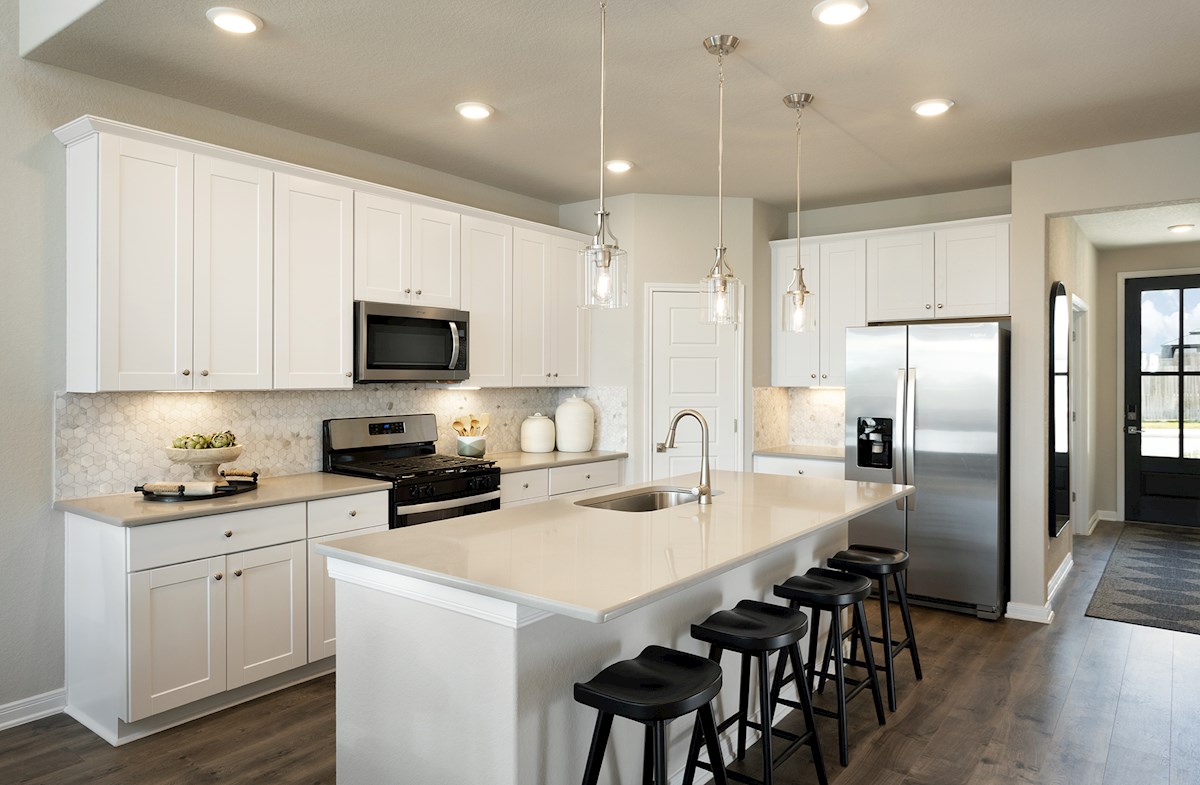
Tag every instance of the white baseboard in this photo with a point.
(1056, 580)
(1108, 515)
(1042, 614)
(32, 708)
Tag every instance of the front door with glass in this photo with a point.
(1161, 421)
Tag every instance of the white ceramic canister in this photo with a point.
(537, 434)
(576, 425)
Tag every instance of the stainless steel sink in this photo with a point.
(657, 497)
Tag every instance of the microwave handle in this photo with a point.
(454, 345)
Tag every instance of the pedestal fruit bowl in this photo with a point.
(205, 454)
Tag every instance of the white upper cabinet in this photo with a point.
(948, 272)
(487, 294)
(550, 330)
(313, 284)
(835, 271)
(233, 276)
(405, 253)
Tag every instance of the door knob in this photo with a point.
(1132, 430)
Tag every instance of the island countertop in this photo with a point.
(594, 564)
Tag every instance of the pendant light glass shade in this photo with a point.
(720, 291)
(796, 305)
(604, 278)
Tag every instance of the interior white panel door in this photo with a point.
(693, 366)
(570, 322)
(322, 597)
(844, 297)
(382, 245)
(487, 294)
(795, 357)
(972, 271)
(436, 257)
(233, 274)
(533, 283)
(267, 604)
(900, 274)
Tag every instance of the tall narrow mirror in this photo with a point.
(1060, 409)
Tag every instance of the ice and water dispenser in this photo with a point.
(875, 442)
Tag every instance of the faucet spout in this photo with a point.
(704, 489)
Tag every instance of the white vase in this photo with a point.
(575, 423)
(537, 434)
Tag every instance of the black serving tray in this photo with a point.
(236, 485)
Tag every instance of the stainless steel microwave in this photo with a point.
(409, 343)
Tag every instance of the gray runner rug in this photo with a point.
(1152, 578)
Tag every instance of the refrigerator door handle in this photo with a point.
(910, 436)
(898, 476)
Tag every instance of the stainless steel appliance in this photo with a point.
(927, 405)
(410, 343)
(401, 449)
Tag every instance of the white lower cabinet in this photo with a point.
(265, 616)
(800, 467)
(538, 485)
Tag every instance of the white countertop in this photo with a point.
(131, 509)
(805, 451)
(522, 461)
(595, 564)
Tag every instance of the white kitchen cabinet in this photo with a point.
(835, 271)
(538, 485)
(313, 284)
(800, 466)
(946, 272)
(487, 294)
(266, 612)
(550, 330)
(405, 253)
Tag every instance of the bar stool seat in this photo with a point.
(756, 630)
(877, 563)
(831, 591)
(653, 688)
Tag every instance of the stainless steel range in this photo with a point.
(401, 449)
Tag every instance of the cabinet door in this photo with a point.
(972, 271)
(532, 289)
(844, 297)
(176, 635)
(795, 357)
(900, 275)
(322, 598)
(266, 612)
(487, 293)
(313, 285)
(233, 273)
(145, 260)
(569, 322)
(382, 244)
(436, 257)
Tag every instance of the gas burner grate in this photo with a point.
(423, 464)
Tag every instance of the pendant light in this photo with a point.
(720, 291)
(795, 299)
(604, 276)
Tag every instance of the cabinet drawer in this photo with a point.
(580, 477)
(347, 513)
(520, 486)
(157, 544)
(802, 467)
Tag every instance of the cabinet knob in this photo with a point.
(353, 513)
(204, 372)
(547, 376)
(229, 532)
(927, 306)
(814, 376)
(418, 291)
(408, 291)
(187, 372)
(555, 376)
(349, 374)
(824, 376)
(237, 573)
(524, 485)
(218, 577)
(939, 305)
(799, 471)
(587, 476)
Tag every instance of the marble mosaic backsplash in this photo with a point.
(817, 416)
(110, 442)
(771, 417)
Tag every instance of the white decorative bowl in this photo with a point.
(205, 463)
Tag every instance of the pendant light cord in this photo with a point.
(603, 58)
(799, 114)
(720, 150)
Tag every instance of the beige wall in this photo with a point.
(953, 206)
(1109, 321)
(35, 99)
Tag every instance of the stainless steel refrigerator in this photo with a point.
(927, 405)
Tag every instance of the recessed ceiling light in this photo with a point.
(618, 166)
(234, 20)
(839, 12)
(1181, 228)
(933, 107)
(474, 110)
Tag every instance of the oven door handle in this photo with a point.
(454, 345)
(413, 509)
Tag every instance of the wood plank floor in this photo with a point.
(1083, 701)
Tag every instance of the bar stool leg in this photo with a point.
(591, 773)
(839, 666)
(860, 619)
(689, 771)
(743, 700)
(885, 620)
(902, 595)
(709, 722)
(812, 647)
(764, 718)
(648, 755)
(660, 753)
(810, 719)
(836, 615)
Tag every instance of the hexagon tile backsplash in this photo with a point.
(110, 442)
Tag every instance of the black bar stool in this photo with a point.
(653, 688)
(829, 590)
(756, 630)
(876, 563)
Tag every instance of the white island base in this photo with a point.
(459, 642)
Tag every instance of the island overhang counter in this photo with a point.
(459, 641)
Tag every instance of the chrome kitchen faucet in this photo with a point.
(704, 489)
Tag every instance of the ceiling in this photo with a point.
(1031, 78)
(1140, 226)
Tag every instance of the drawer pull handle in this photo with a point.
(218, 577)
(237, 573)
(353, 513)
(229, 532)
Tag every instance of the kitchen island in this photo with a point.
(459, 641)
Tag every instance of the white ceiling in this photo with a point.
(1031, 78)
(1141, 226)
